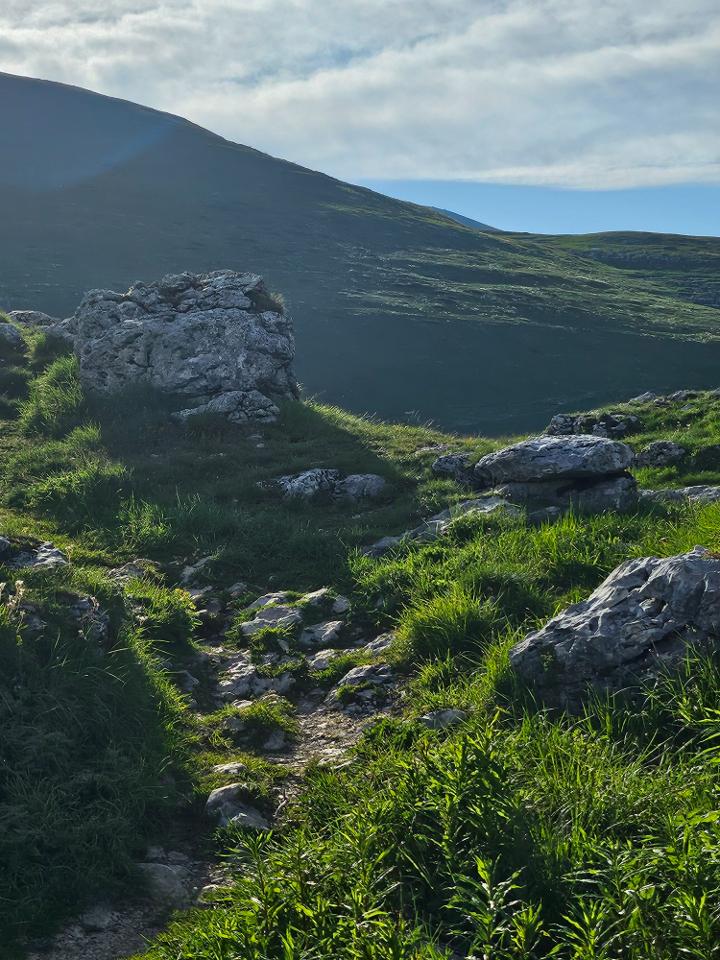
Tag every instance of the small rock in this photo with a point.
(232, 769)
(237, 590)
(165, 883)
(321, 634)
(98, 918)
(380, 644)
(322, 659)
(186, 681)
(440, 719)
(371, 673)
(455, 465)
(190, 572)
(281, 618)
(660, 453)
(10, 336)
(359, 486)
(275, 742)
(269, 599)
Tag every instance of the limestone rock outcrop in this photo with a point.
(639, 623)
(218, 338)
(613, 425)
(585, 472)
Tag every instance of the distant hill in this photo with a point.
(399, 309)
(466, 221)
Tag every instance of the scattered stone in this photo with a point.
(133, 570)
(186, 681)
(233, 769)
(327, 482)
(554, 458)
(322, 659)
(613, 425)
(243, 679)
(190, 572)
(701, 494)
(437, 525)
(380, 644)
(321, 634)
(165, 883)
(360, 486)
(280, 618)
(276, 742)
(455, 465)
(20, 553)
(237, 590)
(660, 453)
(641, 621)
(226, 805)
(440, 719)
(98, 918)
(217, 338)
(646, 397)
(11, 337)
(369, 673)
(269, 599)
(681, 396)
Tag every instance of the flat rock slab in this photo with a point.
(638, 624)
(554, 458)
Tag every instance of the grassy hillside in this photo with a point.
(515, 835)
(399, 309)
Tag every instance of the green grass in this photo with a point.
(516, 835)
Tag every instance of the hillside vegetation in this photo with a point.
(400, 310)
(516, 834)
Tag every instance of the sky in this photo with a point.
(528, 114)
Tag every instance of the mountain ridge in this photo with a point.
(399, 311)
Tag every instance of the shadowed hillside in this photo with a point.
(399, 310)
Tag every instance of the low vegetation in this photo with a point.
(516, 835)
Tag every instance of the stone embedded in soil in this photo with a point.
(323, 658)
(440, 719)
(642, 621)
(281, 618)
(321, 634)
(380, 644)
(165, 883)
(227, 805)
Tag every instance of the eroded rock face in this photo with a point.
(640, 622)
(217, 338)
(554, 458)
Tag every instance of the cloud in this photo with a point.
(528, 91)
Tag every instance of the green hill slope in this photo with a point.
(399, 310)
(515, 834)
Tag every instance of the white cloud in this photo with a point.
(567, 92)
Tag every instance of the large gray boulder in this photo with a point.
(639, 623)
(554, 458)
(216, 338)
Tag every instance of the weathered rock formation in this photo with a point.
(660, 453)
(216, 338)
(328, 482)
(613, 425)
(584, 472)
(700, 494)
(639, 623)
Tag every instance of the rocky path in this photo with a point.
(329, 718)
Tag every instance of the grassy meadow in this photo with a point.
(517, 834)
